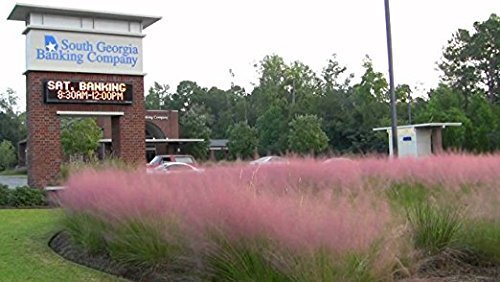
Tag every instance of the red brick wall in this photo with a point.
(44, 144)
(170, 126)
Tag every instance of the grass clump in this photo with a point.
(322, 265)
(144, 243)
(482, 237)
(407, 194)
(86, 231)
(243, 260)
(434, 228)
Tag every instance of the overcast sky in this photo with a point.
(201, 40)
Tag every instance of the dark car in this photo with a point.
(162, 159)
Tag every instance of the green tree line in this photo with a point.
(293, 109)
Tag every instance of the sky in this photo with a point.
(201, 40)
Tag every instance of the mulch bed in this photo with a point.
(454, 266)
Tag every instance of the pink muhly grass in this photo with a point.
(238, 201)
(447, 170)
(302, 205)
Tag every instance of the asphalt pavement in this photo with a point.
(14, 181)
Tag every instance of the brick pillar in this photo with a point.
(44, 143)
(128, 138)
(437, 140)
(44, 137)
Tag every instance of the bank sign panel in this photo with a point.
(83, 52)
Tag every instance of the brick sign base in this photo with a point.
(44, 155)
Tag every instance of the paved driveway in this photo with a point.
(14, 180)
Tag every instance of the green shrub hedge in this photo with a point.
(4, 195)
(23, 196)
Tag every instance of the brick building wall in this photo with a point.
(44, 142)
(169, 126)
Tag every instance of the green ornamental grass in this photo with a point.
(434, 228)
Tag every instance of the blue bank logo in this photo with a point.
(87, 52)
(51, 43)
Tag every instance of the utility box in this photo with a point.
(418, 140)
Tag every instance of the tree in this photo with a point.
(80, 137)
(157, 97)
(188, 94)
(332, 73)
(445, 106)
(220, 104)
(194, 124)
(12, 123)
(364, 107)
(242, 141)
(335, 105)
(272, 129)
(483, 127)
(271, 90)
(471, 62)
(7, 155)
(306, 135)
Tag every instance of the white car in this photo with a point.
(268, 160)
(174, 167)
(337, 160)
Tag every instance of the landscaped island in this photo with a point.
(302, 220)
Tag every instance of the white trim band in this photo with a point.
(88, 113)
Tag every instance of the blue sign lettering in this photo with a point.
(86, 52)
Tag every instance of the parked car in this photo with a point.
(337, 160)
(161, 159)
(173, 167)
(268, 160)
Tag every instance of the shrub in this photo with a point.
(4, 195)
(80, 136)
(27, 197)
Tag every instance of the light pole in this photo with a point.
(394, 120)
(409, 108)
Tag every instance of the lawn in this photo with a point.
(24, 251)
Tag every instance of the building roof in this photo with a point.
(166, 140)
(422, 125)
(21, 12)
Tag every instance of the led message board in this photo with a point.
(64, 91)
